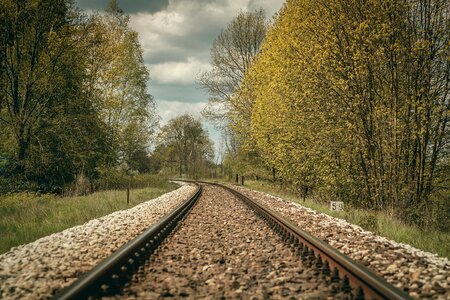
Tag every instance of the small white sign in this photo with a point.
(336, 205)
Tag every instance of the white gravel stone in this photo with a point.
(378, 253)
(36, 270)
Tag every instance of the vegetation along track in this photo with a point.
(224, 248)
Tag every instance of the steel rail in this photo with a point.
(108, 277)
(326, 259)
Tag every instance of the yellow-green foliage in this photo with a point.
(349, 98)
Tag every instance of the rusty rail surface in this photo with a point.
(326, 260)
(108, 277)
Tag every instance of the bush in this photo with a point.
(368, 222)
(81, 187)
(366, 219)
(116, 180)
(436, 211)
(13, 185)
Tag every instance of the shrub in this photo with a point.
(115, 180)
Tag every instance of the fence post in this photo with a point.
(128, 191)
(237, 178)
(242, 179)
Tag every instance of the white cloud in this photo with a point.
(177, 72)
(170, 109)
(188, 27)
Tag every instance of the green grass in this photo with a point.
(25, 217)
(382, 223)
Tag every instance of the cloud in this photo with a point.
(170, 109)
(187, 28)
(177, 72)
(176, 92)
(176, 33)
(128, 6)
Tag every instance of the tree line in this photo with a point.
(348, 100)
(73, 95)
(183, 147)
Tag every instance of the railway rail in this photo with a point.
(112, 274)
(109, 277)
(325, 258)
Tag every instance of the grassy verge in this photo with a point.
(382, 223)
(25, 217)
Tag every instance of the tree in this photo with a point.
(190, 143)
(50, 127)
(350, 99)
(231, 54)
(164, 158)
(34, 47)
(119, 84)
(72, 93)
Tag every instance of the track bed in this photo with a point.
(223, 249)
(220, 244)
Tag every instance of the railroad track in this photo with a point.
(112, 274)
(338, 276)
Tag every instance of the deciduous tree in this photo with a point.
(119, 83)
(351, 98)
(190, 142)
(231, 54)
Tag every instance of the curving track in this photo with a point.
(224, 248)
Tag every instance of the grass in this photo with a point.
(25, 217)
(381, 223)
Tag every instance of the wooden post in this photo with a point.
(237, 178)
(128, 191)
(242, 179)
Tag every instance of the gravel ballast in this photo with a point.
(421, 274)
(223, 250)
(36, 270)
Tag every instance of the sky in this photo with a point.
(176, 37)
